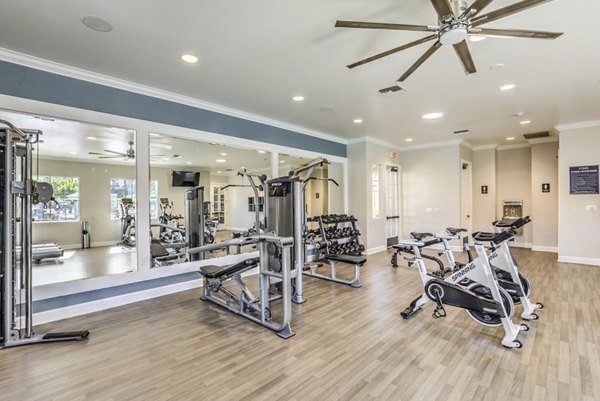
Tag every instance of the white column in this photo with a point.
(142, 206)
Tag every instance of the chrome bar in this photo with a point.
(26, 234)
(7, 233)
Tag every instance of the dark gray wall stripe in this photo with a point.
(20, 81)
(89, 296)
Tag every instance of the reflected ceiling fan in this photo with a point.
(129, 154)
(456, 21)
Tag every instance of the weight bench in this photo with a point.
(333, 259)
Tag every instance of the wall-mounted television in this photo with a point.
(185, 179)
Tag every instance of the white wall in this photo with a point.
(431, 189)
(544, 207)
(94, 202)
(513, 179)
(358, 186)
(484, 173)
(578, 229)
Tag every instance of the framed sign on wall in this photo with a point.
(583, 180)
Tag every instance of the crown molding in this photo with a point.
(579, 125)
(100, 79)
(515, 146)
(467, 144)
(375, 141)
(486, 147)
(547, 139)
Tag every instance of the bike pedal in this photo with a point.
(438, 312)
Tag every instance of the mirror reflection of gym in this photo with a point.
(229, 201)
(91, 169)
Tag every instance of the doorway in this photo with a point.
(466, 197)
(392, 205)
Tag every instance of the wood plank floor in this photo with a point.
(350, 344)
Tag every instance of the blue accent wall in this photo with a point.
(20, 81)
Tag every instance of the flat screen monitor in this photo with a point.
(185, 179)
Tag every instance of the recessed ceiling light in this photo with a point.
(221, 161)
(92, 138)
(519, 114)
(96, 24)
(525, 122)
(510, 138)
(261, 151)
(408, 139)
(223, 154)
(219, 172)
(298, 98)
(476, 38)
(189, 58)
(165, 159)
(73, 153)
(432, 116)
(153, 134)
(242, 167)
(357, 120)
(497, 66)
(507, 87)
(168, 147)
(188, 163)
(281, 161)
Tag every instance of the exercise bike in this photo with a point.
(483, 299)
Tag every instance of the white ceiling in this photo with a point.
(255, 54)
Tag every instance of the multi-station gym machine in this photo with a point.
(285, 206)
(16, 261)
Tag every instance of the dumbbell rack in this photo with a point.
(338, 235)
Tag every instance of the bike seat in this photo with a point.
(455, 231)
(496, 238)
(420, 236)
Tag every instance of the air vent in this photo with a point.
(462, 131)
(392, 90)
(536, 135)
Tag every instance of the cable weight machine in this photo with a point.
(16, 285)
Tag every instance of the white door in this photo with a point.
(466, 191)
(392, 205)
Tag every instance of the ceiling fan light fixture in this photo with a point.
(453, 33)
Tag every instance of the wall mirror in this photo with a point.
(189, 178)
(324, 191)
(88, 228)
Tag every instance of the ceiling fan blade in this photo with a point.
(421, 60)
(110, 157)
(158, 156)
(383, 25)
(506, 11)
(442, 8)
(116, 153)
(462, 50)
(96, 153)
(476, 7)
(518, 33)
(392, 51)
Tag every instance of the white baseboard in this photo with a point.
(578, 260)
(520, 244)
(537, 248)
(377, 249)
(108, 303)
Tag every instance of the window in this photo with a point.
(125, 188)
(64, 206)
(375, 190)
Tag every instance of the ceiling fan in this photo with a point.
(129, 154)
(456, 22)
